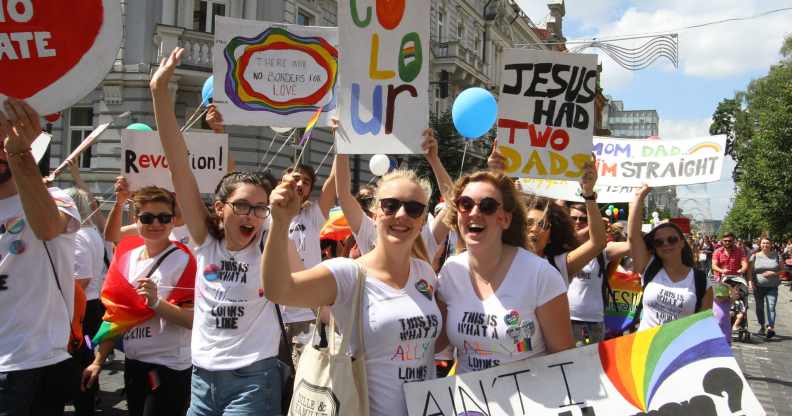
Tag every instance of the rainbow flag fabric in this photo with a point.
(638, 364)
(125, 309)
(623, 298)
(336, 227)
(311, 124)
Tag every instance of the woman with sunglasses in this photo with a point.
(157, 366)
(503, 303)
(401, 320)
(236, 332)
(666, 261)
(362, 225)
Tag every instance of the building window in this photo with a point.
(440, 25)
(80, 126)
(460, 30)
(304, 18)
(205, 12)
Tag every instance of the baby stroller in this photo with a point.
(738, 292)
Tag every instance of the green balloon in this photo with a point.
(139, 127)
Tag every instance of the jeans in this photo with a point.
(586, 333)
(39, 391)
(247, 391)
(766, 297)
(154, 389)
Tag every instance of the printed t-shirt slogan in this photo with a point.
(546, 113)
(384, 76)
(45, 60)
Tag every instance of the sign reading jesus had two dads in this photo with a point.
(682, 368)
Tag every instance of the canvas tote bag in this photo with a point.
(328, 381)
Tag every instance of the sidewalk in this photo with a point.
(767, 364)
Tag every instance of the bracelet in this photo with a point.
(156, 304)
(592, 197)
(18, 154)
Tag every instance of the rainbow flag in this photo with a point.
(310, 126)
(625, 295)
(336, 227)
(125, 309)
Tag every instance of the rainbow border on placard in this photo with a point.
(243, 96)
(638, 364)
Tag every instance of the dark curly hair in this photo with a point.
(515, 235)
(562, 229)
(225, 188)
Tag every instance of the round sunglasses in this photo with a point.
(486, 206)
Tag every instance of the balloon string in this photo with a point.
(266, 153)
(190, 118)
(321, 164)
(195, 120)
(464, 153)
(279, 150)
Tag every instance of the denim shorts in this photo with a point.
(251, 390)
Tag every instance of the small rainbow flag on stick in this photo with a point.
(125, 309)
(310, 126)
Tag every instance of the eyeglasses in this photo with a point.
(148, 218)
(582, 219)
(365, 201)
(245, 208)
(543, 224)
(659, 242)
(390, 206)
(486, 206)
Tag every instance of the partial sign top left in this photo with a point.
(53, 53)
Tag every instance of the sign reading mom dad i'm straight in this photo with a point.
(384, 75)
(546, 113)
(54, 52)
(683, 368)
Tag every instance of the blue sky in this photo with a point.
(715, 62)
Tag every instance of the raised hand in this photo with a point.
(215, 119)
(496, 161)
(161, 78)
(589, 178)
(429, 144)
(641, 192)
(25, 125)
(121, 190)
(284, 201)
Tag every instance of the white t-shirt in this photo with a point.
(400, 328)
(502, 328)
(36, 317)
(158, 341)
(665, 300)
(585, 293)
(366, 236)
(182, 235)
(234, 324)
(89, 260)
(304, 232)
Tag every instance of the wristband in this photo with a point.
(592, 197)
(18, 154)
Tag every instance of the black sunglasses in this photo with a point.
(390, 206)
(486, 206)
(245, 208)
(582, 219)
(148, 218)
(659, 242)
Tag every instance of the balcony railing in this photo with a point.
(197, 45)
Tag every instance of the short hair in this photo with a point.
(728, 234)
(149, 194)
(304, 170)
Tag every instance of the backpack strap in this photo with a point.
(551, 260)
(701, 286)
(603, 272)
(649, 274)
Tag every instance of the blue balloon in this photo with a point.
(474, 112)
(208, 91)
(139, 127)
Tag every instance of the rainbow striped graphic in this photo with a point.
(241, 93)
(638, 364)
(523, 346)
(625, 296)
(336, 227)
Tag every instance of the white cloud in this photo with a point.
(684, 129)
(714, 51)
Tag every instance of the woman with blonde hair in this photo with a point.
(503, 303)
(398, 295)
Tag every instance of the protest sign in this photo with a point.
(46, 60)
(144, 161)
(273, 74)
(682, 368)
(40, 145)
(570, 190)
(632, 162)
(546, 113)
(383, 100)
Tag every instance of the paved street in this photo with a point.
(767, 365)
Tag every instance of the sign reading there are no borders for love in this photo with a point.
(53, 53)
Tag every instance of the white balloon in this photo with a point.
(379, 164)
(608, 212)
(281, 130)
(655, 215)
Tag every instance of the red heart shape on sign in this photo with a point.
(69, 29)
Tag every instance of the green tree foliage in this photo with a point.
(761, 126)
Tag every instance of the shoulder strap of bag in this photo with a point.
(649, 274)
(701, 286)
(73, 343)
(159, 261)
(356, 318)
(285, 344)
(551, 260)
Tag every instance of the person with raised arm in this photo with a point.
(399, 287)
(236, 333)
(37, 289)
(673, 288)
